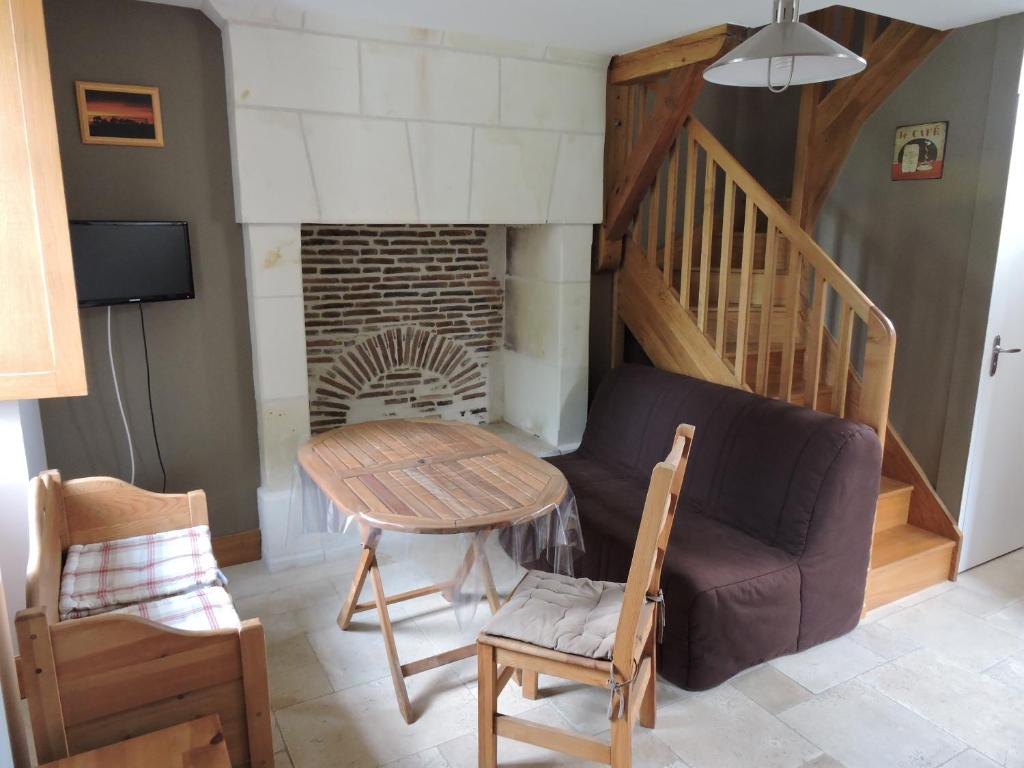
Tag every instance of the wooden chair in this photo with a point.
(630, 673)
(94, 681)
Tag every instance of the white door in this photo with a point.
(992, 516)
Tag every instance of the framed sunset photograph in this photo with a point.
(128, 115)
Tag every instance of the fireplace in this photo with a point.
(349, 123)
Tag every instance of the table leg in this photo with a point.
(476, 556)
(370, 537)
(465, 568)
(479, 540)
(397, 676)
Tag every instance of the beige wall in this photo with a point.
(199, 350)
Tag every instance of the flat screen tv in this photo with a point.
(120, 262)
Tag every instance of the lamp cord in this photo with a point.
(149, 391)
(117, 391)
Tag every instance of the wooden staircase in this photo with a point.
(716, 279)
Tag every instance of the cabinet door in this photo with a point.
(40, 340)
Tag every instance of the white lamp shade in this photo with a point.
(814, 58)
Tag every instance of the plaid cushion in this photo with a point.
(204, 609)
(111, 574)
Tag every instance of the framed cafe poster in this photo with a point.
(919, 151)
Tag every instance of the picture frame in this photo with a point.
(919, 151)
(123, 115)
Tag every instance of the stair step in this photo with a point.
(758, 285)
(906, 559)
(778, 331)
(893, 504)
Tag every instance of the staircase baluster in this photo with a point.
(844, 342)
(796, 266)
(671, 192)
(746, 273)
(725, 262)
(707, 235)
(638, 118)
(815, 334)
(653, 214)
(767, 311)
(689, 203)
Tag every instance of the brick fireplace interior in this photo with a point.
(402, 320)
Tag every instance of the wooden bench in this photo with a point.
(97, 680)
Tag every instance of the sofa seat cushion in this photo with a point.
(576, 616)
(201, 610)
(111, 574)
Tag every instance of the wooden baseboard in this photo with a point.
(236, 548)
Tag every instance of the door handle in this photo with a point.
(998, 350)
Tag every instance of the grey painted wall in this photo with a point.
(924, 251)
(199, 350)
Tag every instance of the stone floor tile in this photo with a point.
(768, 687)
(965, 639)
(586, 707)
(649, 751)
(1009, 672)
(284, 599)
(282, 760)
(862, 728)
(362, 726)
(356, 656)
(462, 751)
(292, 679)
(969, 759)
(276, 732)
(978, 710)
(722, 728)
(1009, 619)
(884, 641)
(823, 761)
(428, 758)
(819, 668)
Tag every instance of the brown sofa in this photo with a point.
(769, 553)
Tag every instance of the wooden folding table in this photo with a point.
(427, 477)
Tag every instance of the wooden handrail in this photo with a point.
(786, 295)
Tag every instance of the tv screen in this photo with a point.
(117, 262)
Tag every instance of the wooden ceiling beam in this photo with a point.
(656, 60)
(661, 129)
(830, 120)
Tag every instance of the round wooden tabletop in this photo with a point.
(430, 476)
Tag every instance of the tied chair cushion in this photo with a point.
(108, 575)
(562, 613)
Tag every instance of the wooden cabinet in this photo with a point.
(40, 340)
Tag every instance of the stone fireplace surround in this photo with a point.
(345, 122)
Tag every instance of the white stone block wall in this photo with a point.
(373, 124)
(547, 317)
(345, 122)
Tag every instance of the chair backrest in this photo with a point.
(651, 542)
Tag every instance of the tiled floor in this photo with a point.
(934, 680)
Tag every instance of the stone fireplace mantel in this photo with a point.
(342, 122)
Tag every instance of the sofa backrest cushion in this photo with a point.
(757, 464)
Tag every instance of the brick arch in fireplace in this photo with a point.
(399, 372)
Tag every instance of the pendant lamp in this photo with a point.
(784, 53)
